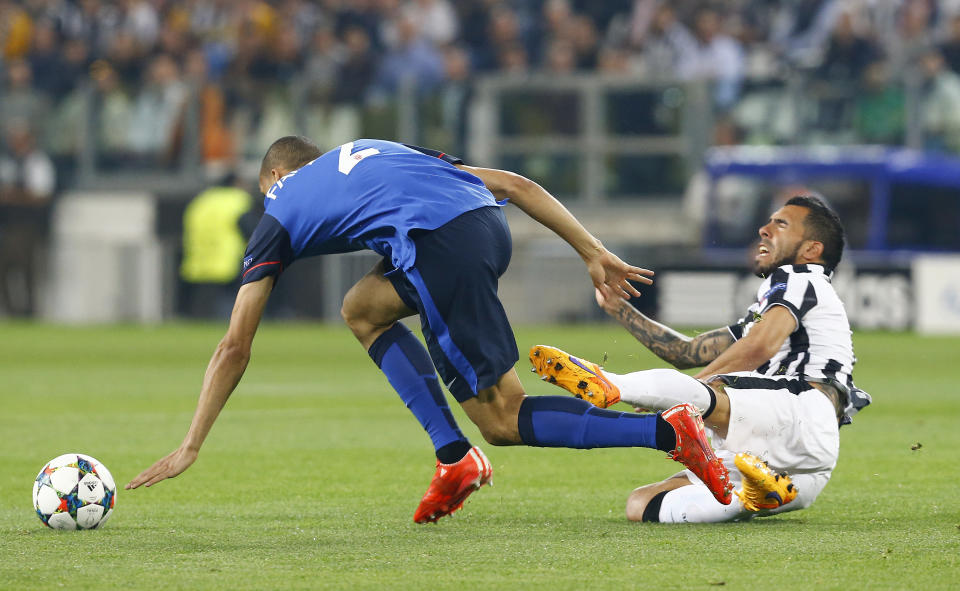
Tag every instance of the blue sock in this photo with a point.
(408, 368)
(559, 421)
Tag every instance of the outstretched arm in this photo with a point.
(223, 374)
(604, 267)
(679, 350)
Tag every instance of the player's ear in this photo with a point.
(812, 250)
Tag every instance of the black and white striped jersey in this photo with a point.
(820, 349)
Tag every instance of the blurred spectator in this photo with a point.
(453, 98)
(513, 59)
(436, 19)
(156, 111)
(287, 57)
(216, 141)
(413, 61)
(800, 29)
(300, 18)
(848, 53)
(175, 38)
(76, 61)
(614, 61)
(880, 107)
(356, 72)
(337, 78)
(21, 101)
(45, 61)
(561, 58)
(911, 38)
(555, 25)
(94, 24)
(502, 34)
(216, 226)
(141, 21)
(717, 57)
(939, 114)
(475, 18)
(27, 181)
(324, 56)
(111, 110)
(360, 14)
(16, 28)
(126, 58)
(601, 13)
(583, 37)
(26, 172)
(666, 44)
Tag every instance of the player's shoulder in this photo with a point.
(795, 283)
(800, 274)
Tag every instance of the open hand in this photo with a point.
(166, 467)
(606, 269)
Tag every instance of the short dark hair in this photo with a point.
(289, 153)
(823, 225)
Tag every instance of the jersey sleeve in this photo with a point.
(269, 251)
(793, 291)
(737, 330)
(441, 155)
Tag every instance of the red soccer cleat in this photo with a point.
(694, 451)
(452, 484)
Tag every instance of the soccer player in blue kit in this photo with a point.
(445, 243)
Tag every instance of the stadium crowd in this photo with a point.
(146, 58)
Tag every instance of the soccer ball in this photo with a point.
(74, 491)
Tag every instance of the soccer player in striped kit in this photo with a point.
(775, 386)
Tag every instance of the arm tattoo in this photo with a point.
(679, 350)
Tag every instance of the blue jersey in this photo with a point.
(365, 194)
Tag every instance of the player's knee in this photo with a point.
(354, 318)
(636, 503)
(644, 503)
(639, 500)
(499, 434)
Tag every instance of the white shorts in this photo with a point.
(793, 427)
(787, 423)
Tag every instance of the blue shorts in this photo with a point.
(453, 285)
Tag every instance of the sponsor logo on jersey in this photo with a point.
(774, 289)
(247, 261)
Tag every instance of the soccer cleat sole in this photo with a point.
(762, 488)
(581, 378)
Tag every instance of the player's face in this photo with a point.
(780, 240)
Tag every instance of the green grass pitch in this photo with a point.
(310, 477)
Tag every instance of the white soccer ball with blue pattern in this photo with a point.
(74, 491)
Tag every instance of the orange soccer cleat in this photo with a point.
(452, 484)
(694, 451)
(762, 487)
(584, 379)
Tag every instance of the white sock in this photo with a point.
(695, 504)
(659, 389)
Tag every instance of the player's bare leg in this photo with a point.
(719, 418)
(495, 410)
(640, 498)
(372, 306)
